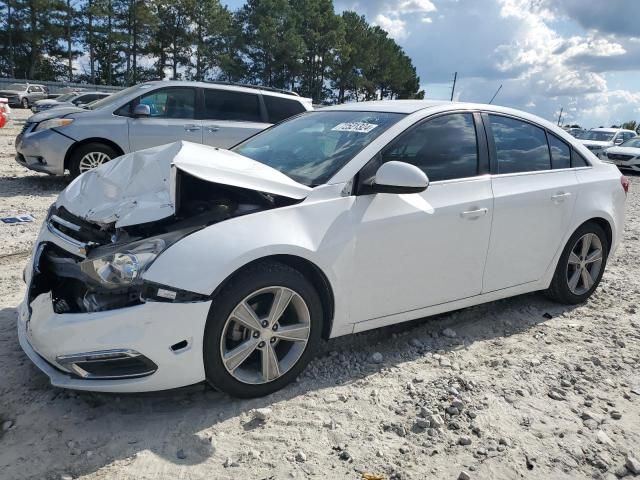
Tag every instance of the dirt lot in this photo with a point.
(524, 388)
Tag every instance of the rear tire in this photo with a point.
(581, 265)
(90, 156)
(272, 360)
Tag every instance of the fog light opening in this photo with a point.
(108, 364)
(178, 347)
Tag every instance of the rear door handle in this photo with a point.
(191, 128)
(560, 197)
(474, 213)
(212, 128)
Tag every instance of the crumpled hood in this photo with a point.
(62, 111)
(140, 187)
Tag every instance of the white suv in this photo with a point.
(599, 139)
(148, 115)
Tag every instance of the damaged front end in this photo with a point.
(91, 260)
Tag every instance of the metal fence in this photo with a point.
(60, 87)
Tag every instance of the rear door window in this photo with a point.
(520, 146)
(231, 105)
(560, 152)
(279, 109)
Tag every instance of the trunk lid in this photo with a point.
(140, 187)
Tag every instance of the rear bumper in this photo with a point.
(151, 329)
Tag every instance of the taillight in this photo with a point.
(624, 181)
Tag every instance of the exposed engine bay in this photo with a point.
(198, 204)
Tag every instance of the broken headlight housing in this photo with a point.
(124, 266)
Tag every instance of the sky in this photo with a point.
(579, 55)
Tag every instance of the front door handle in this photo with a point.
(191, 128)
(212, 128)
(560, 197)
(474, 213)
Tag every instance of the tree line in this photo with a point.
(301, 45)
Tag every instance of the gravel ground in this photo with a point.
(520, 388)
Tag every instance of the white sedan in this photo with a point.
(627, 155)
(184, 263)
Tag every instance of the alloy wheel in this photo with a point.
(585, 263)
(92, 160)
(265, 335)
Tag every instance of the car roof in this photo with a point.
(412, 106)
(230, 86)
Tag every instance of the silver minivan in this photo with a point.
(148, 115)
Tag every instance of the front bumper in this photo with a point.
(627, 164)
(150, 328)
(43, 151)
(167, 333)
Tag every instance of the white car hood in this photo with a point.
(625, 150)
(594, 143)
(140, 187)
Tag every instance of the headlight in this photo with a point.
(53, 123)
(124, 267)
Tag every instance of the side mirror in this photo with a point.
(619, 141)
(399, 177)
(141, 111)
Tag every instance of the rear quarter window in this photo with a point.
(578, 160)
(279, 109)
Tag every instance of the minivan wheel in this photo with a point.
(25, 103)
(89, 156)
(262, 330)
(581, 265)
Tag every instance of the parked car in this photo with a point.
(575, 131)
(24, 94)
(599, 139)
(184, 262)
(76, 99)
(626, 155)
(148, 115)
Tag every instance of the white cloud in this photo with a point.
(547, 54)
(412, 6)
(395, 26)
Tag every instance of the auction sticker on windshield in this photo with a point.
(361, 127)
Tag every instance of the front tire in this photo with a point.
(89, 156)
(581, 265)
(262, 330)
(25, 103)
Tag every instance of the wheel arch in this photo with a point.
(86, 141)
(311, 271)
(605, 225)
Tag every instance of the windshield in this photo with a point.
(633, 143)
(17, 86)
(66, 97)
(312, 147)
(597, 136)
(115, 97)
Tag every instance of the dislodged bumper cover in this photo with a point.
(140, 187)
